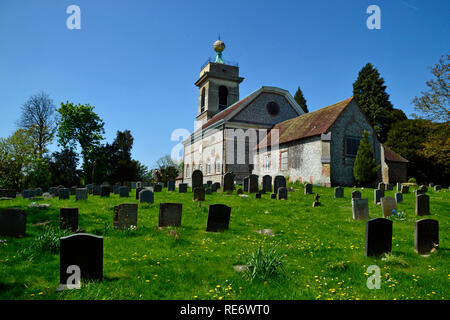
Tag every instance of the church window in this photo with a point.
(267, 163)
(223, 97)
(208, 167)
(200, 167)
(217, 165)
(273, 108)
(202, 104)
(351, 146)
(284, 160)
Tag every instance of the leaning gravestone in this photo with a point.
(81, 194)
(279, 182)
(170, 214)
(124, 192)
(282, 193)
(182, 187)
(378, 237)
(338, 192)
(218, 218)
(85, 251)
(267, 183)
(308, 188)
(197, 179)
(13, 223)
(68, 219)
(171, 185)
(356, 194)
(228, 182)
(146, 196)
(199, 194)
(105, 191)
(252, 183)
(138, 190)
(422, 205)
(360, 208)
(377, 195)
(63, 193)
(125, 215)
(426, 235)
(246, 181)
(388, 204)
(398, 197)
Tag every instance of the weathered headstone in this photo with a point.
(405, 189)
(356, 194)
(267, 183)
(73, 190)
(382, 186)
(157, 188)
(279, 182)
(218, 218)
(387, 205)
(273, 196)
(182, 187)
(171, 185)
(81, 194)
(422, 205)
(398, 197)
(426, 235)
(197, 179)
(105, 191)
(437, 188)
(13, 222)
(125, 215)
(252, 183)
(390, 187)
(38, 192)
(215, 186)
(308, 188)
(208, 190)
(68, 219)
(378, 237)
(116, 188)
(399, 187)
(138, 190)
(199, 194)
(84, 251)
(228, 182)
(360, 208)
(282, 193)
(431, 184)
(124, 192)
(146, 196)
(96, 190)
(63, 193)
(90, 188)
(258, 195)
(339, 192)
(170, 214)
(377, 195)
(246, 183)
(53, 191)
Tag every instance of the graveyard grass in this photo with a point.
(323, 250)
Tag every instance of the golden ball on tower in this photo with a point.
(219, 46)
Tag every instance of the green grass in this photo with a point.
(322, 251)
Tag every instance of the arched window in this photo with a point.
(223, 97)
(218, 165)
(202, 102)
(208, 166)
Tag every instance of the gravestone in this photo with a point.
(399, 187)
(218, 218)
(246, 182)
(133, 184)
(279, 182)
(199, 194)
(405, 189)
(171, 185)
(157, 188)
(258, 195)
(209, 183)
(426, 235)
(378, 237)
(387, 205)
(273, 196)
(68, 219)
(170, 214)
(282, 193)
(228, 182)
(138, 190)
(116, 188)
(124, 192)
(63, 193)
(398, 197)
(13, 223)
(38, 192)
(252, 183)
(422, 205)
(139, 184)
(215, 186)
(431, 184)
(81, 194)
(356, 194)
(90, 188)
(182, 187)
(338, 192)
(382, 186)
(53, 191)
(105, 191)
(308, 188)
(390, 187)
(73, 190)
(146, 196)
(83, 250)
(377, 195)
(437, 188)
(125, 215)
(96, 190)
(208, 191)
(360, 208)
(197, 179)
(267, 183)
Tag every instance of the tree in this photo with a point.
(167, 168)
(300, 99)
(434, 104)
(365, 167)
(370, 94)
(39, 174)
(80, 124)
(63, 168)
(39, 118)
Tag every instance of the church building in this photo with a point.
(268, 133)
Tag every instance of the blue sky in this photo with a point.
(136, 61)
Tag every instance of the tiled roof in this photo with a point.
(391, 156)
(307, 125)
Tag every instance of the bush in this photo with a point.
(47, 242)
(263, 263)
(412, 180)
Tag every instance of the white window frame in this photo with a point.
(286, 164)
(267, 163)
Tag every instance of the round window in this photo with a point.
(273, 108)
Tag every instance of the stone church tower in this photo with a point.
(218, 86)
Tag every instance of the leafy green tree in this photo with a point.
(39, 174)
(300, 99)
(168, 169)
(63, 168)
(365, 167)
(80, 124)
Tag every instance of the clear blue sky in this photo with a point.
(136, 61)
